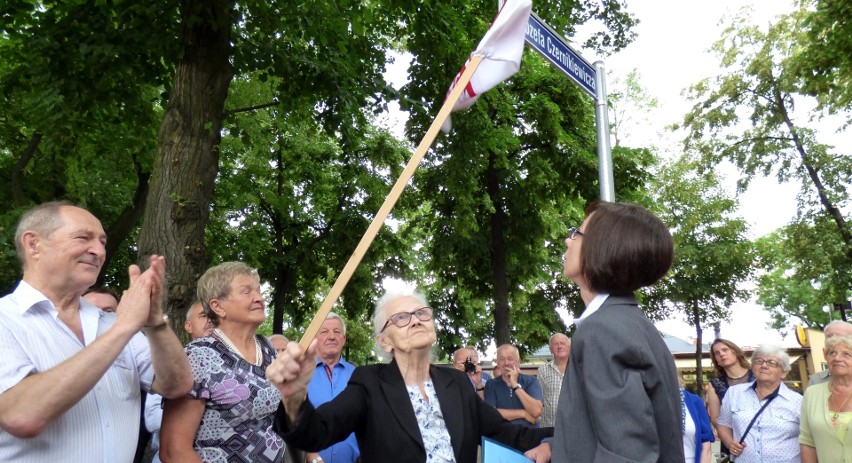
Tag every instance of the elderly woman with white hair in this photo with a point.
(406, 411)
(759, 421)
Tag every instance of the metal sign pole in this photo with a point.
(590, 78)
(607, 185)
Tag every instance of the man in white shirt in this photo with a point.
(71, 374)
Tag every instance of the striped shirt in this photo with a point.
(104, 425)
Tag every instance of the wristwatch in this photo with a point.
(517, 386)
(318, 459)
(159, 326)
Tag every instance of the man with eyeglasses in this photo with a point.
(515, 395)
(832, 329)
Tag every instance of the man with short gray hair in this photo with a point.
(551, 374)
(331, 376)
(832, 329)
(71, 374)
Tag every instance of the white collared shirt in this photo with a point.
(104, 425)
(593, 307)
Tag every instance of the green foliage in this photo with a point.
(712, 254)
(292, 201)
(823, 65)
(498, 194)
(801, 278)
(85, 86)
(747, 116)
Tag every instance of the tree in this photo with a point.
(334, 65)
(85, 86)
(291, 201)
(712, 254)
(824, 64)
(498, 193)
(630, 105)
(801, 278)
(80, 89)
(759, 87)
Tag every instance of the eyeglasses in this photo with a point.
(574, 232)
(402, 319)
(771, 363)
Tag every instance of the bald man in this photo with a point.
(551, 374)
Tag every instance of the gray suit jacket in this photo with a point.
(620, 401)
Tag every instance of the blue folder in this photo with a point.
(495, 452)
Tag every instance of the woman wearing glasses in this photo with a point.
(406, 410)
(759, 421)
(621, 399)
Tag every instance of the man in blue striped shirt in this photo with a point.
(71, 374)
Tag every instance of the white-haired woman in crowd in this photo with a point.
(774, 434)
(407, 410)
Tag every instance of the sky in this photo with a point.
(670, 53)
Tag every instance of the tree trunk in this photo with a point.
(830, 207)
(500, 284)
(699, 370)
(18, 195)
(128, 218)
(187, 162)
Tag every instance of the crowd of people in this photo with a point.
(87, 373)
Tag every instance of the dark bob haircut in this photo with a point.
(625, 247)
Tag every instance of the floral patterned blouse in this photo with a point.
(430, 419)
(240, 404)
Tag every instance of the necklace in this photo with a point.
(258, 357)
(731, 378)
(838, 410)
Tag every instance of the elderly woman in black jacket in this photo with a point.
(407, 410)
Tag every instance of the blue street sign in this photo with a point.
(556, 49)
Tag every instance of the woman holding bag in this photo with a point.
(759, 421)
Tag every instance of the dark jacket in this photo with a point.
(375, 405)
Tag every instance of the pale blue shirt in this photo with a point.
(104, 425)
(775, 435)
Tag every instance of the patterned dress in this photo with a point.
(237, 423)
(430, 420)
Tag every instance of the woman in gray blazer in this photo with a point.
(620, 400)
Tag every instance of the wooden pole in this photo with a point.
(390, 201)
